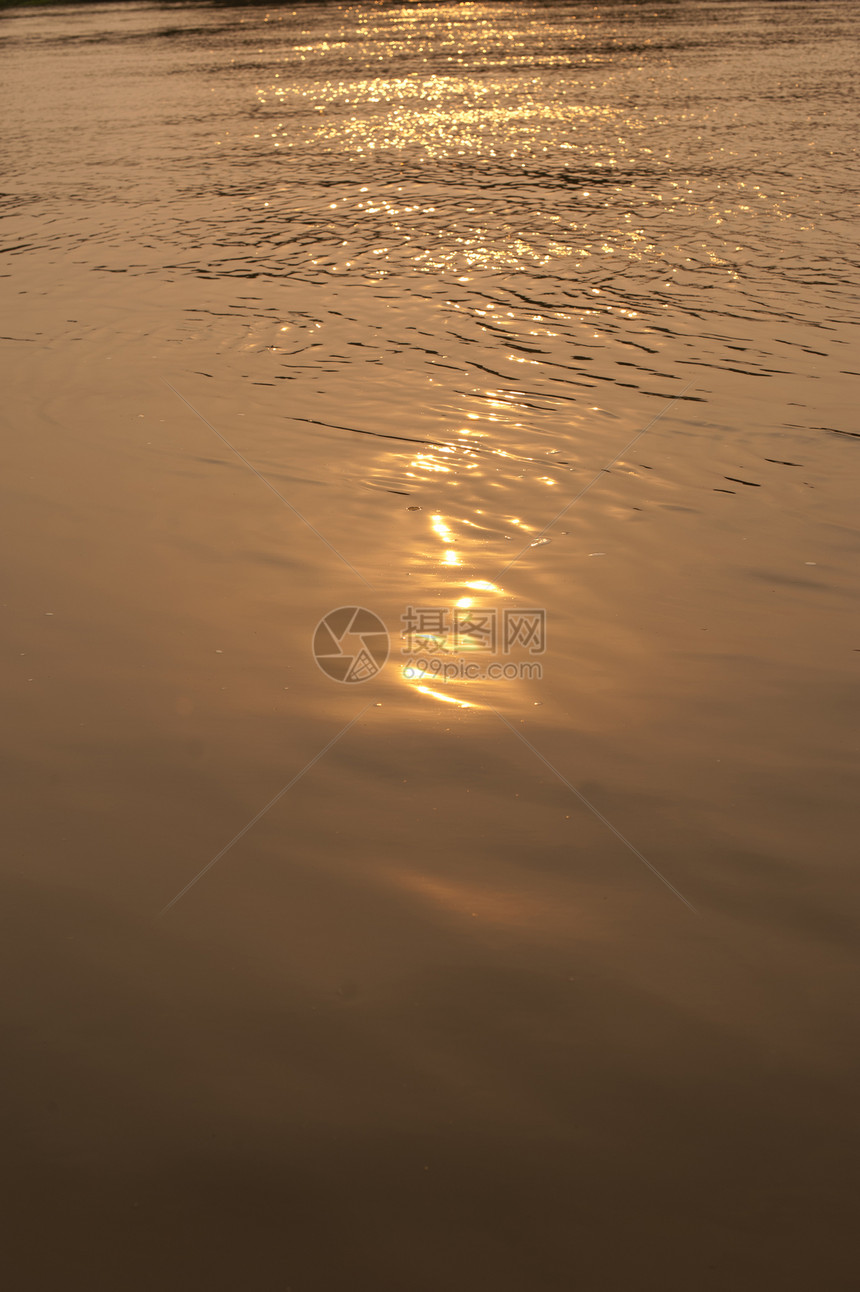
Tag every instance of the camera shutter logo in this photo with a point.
(350, 644)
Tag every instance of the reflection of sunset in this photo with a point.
(514, 908)
(448, 699)
(441, 528)
(387, 317)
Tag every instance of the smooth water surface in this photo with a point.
(534, 983)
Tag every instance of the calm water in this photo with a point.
(539, 983)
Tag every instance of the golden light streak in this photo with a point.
(441, 529)
(449, 699)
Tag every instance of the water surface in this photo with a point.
(522, 305)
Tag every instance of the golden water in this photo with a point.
(537, 984)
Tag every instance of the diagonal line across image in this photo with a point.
(271, 803)
(596, 812)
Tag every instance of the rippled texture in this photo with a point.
(512, 305)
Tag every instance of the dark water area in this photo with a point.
(539, 979)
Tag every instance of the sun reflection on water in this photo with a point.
(448, 699)
(433, 660)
